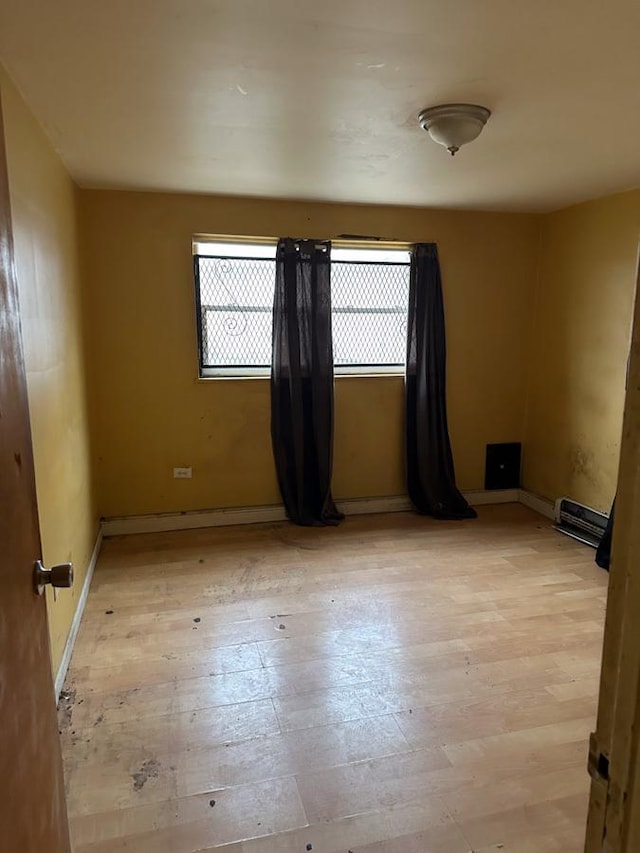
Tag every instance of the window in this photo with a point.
(234, 296)
(369, 304)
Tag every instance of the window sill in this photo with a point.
(243, 377)
(370, 375)
(238, 377)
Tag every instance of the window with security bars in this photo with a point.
(234, 293)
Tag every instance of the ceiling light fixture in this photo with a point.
(454, 125)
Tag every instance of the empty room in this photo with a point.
(319, 426)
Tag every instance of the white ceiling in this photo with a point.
(317, 99)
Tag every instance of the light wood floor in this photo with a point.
(395, 685)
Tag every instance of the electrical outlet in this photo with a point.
(182, 473)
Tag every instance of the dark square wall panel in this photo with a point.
(502, 469)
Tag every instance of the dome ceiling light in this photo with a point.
(454, 125)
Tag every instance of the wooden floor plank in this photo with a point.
(395, 685)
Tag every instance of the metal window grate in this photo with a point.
(369, 305)
(236, 307)
(235, 303)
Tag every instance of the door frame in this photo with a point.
(613, 823)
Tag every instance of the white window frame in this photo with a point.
(265, 246)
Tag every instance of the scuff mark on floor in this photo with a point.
(149, 769)
(65, 708)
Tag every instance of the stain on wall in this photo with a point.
(579, 344)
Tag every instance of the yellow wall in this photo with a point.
(579, 347)
(151, 413)
(43, 204)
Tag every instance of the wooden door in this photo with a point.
(32, 807)
(613, 824)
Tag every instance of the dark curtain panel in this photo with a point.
(431, 480)
(603, 552)
(302, 381)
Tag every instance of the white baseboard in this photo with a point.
(495, 496)
(77, 618)
(371, 506)
(165, 522)
(538, 504)
(168, 521)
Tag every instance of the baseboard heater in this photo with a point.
(580, 522)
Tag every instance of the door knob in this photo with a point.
(58, 576)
